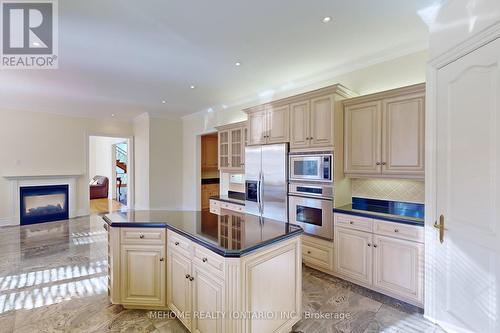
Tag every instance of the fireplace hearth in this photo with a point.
(43, 203)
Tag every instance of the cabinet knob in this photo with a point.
(375, 245)
(191, 278)
(308, 252)
(350, 222)
(204, 259)
(383, 163)
(378, 163)
(141, 236)
(188, 276)
(396, 230)
(369, 244)
(176, 243)
(161, 259)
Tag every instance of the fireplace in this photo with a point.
(43, 203)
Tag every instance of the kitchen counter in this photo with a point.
(232, 197)
(392, 211)
(202, 228)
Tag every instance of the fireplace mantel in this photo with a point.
(18, 181)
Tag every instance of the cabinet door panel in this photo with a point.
(179, 287)
(278, 124)
(237, 142)
(224, 147)
(353, 254)
(207, 299)
(322, 122)
(398, 267)
(404, 135)
(362, 132)
(143, 274)
(299, 125)
(257, 128)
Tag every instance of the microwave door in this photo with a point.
(253, 166)
(306, 168)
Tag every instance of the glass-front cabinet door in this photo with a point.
(224, 149)
(237, 144)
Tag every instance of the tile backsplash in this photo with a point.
(389, 189)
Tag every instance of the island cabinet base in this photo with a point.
(259, 292)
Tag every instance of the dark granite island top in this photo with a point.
(210, 230)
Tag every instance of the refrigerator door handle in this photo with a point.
(259, 185)
(262, 192)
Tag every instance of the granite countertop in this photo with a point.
(249, 233)
(392, 211)
(232, 197)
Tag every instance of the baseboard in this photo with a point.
(8, 221)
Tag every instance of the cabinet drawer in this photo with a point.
(233, 207)
(179, 244)
(142, 235)
(399, 230)
(214, 203)
(215, 207)
(317, 253)
(354, 222)
(209, 260)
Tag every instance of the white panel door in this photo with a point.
(467, 279)
(353, 254)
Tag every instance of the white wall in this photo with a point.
(457, 20)
(402, 71)
(141, 151)
(101, 158)
(35, 143)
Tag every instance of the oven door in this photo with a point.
(314, 215)
(306, 167)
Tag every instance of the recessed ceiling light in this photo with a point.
(192, 87)
(163, 102)
(327, 19)
(112, 115)
(237, 63)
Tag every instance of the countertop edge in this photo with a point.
(198, 241)
(367, 214)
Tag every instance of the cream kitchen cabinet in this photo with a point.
(232, 141)
(269, 125)
(353, 254)
(384, 256)
(384, 133)
(397, 267)
(179, 286)
(143, 274)
(208, 293)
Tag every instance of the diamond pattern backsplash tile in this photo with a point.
(389, 189)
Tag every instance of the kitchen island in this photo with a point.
(227, 273)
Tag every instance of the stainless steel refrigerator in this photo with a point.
(266, 181)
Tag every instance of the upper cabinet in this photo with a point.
(209, 152)
(270, 125)
(232, 141)
(384, 133)
(306, 121)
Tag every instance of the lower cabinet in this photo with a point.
(353, 254)
(179, 286)
(398, 267)
(143, 275)
(207, 301)
(389, 260)
(317, 253)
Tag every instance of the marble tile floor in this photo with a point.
(53, 278)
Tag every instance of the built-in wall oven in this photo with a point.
(310, 167)
(311, 207)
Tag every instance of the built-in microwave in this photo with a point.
(310, 167)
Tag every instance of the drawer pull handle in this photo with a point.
(396, 230)
(369, 244)
(204, 259)
(161, 259)
(188, 276)
(176, 243)
(191, 278)
(141, 236)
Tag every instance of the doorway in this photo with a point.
(109, 169)
(210, 178)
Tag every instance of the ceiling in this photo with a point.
(125, 57)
